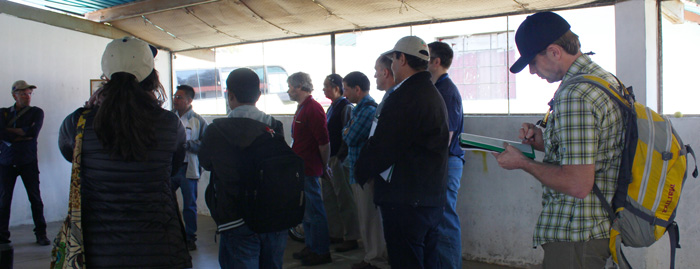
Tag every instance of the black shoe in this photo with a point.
(42, 240)
(336, 240)
(363, 265)
(302, 254)
(316, 259)
(347, 246)
(191, 245)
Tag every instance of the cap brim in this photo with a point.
(521, 63)
(28, 87)
(388, 54)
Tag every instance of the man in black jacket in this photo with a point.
(222, 154)
(406, 156)
(19, 128)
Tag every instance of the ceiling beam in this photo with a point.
(61, 20)
(139, 8)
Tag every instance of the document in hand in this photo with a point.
(483, 143)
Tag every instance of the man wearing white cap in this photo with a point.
(19, 128)
(406, 157)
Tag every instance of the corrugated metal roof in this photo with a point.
(78, 7)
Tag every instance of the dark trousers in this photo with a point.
(411, 235)
(30, 177)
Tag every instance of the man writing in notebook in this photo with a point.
(582, 143)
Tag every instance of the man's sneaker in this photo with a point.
(316, 259)
(302, 254)
(191, 245)
(347, 246)
(42, 240)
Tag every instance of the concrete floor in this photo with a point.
(29, 255)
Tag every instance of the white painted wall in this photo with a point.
(60, 63)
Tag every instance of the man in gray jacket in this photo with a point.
(188, 175)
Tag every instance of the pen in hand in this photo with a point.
(527, 133)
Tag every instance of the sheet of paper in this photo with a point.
(386, 175)
(374, 127)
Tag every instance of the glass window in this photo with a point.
(311, 55)
(484, 51)
(361, 54)
(202, 75)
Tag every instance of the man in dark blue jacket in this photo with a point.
(406, 157)
(19, 128)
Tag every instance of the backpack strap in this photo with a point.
(606, 205)
(687, 149)
(622, 96)
(674, 238)
(19, 114)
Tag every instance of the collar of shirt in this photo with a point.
(337, 101)
(576, 67)
(401, 83)
(441, 78)
(365, 100)
(186, 114)
(329, 112)
(306, 101)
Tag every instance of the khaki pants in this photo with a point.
(371, 228)
(339, 203)
(592, 254)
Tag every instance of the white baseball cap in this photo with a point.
(130, 55)
(411, 45)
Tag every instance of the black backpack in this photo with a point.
(272, 194)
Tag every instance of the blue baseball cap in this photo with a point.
(538, 31)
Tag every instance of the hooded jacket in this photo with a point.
(221, 153)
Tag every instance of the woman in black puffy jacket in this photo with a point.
(131, 147)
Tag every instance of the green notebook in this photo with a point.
(490, 144)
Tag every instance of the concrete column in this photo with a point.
(637, 54)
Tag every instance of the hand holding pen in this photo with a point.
(530, 134)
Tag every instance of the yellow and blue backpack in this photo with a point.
(652, 173)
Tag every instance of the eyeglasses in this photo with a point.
(24, 93)
(178, 97)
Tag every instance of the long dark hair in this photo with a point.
(124, 122)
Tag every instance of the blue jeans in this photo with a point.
(450, 242)
(315, 222)
(411, 235)
(242, 248)
(188, 188)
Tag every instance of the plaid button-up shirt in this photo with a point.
(356, 131)
(586, 127)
